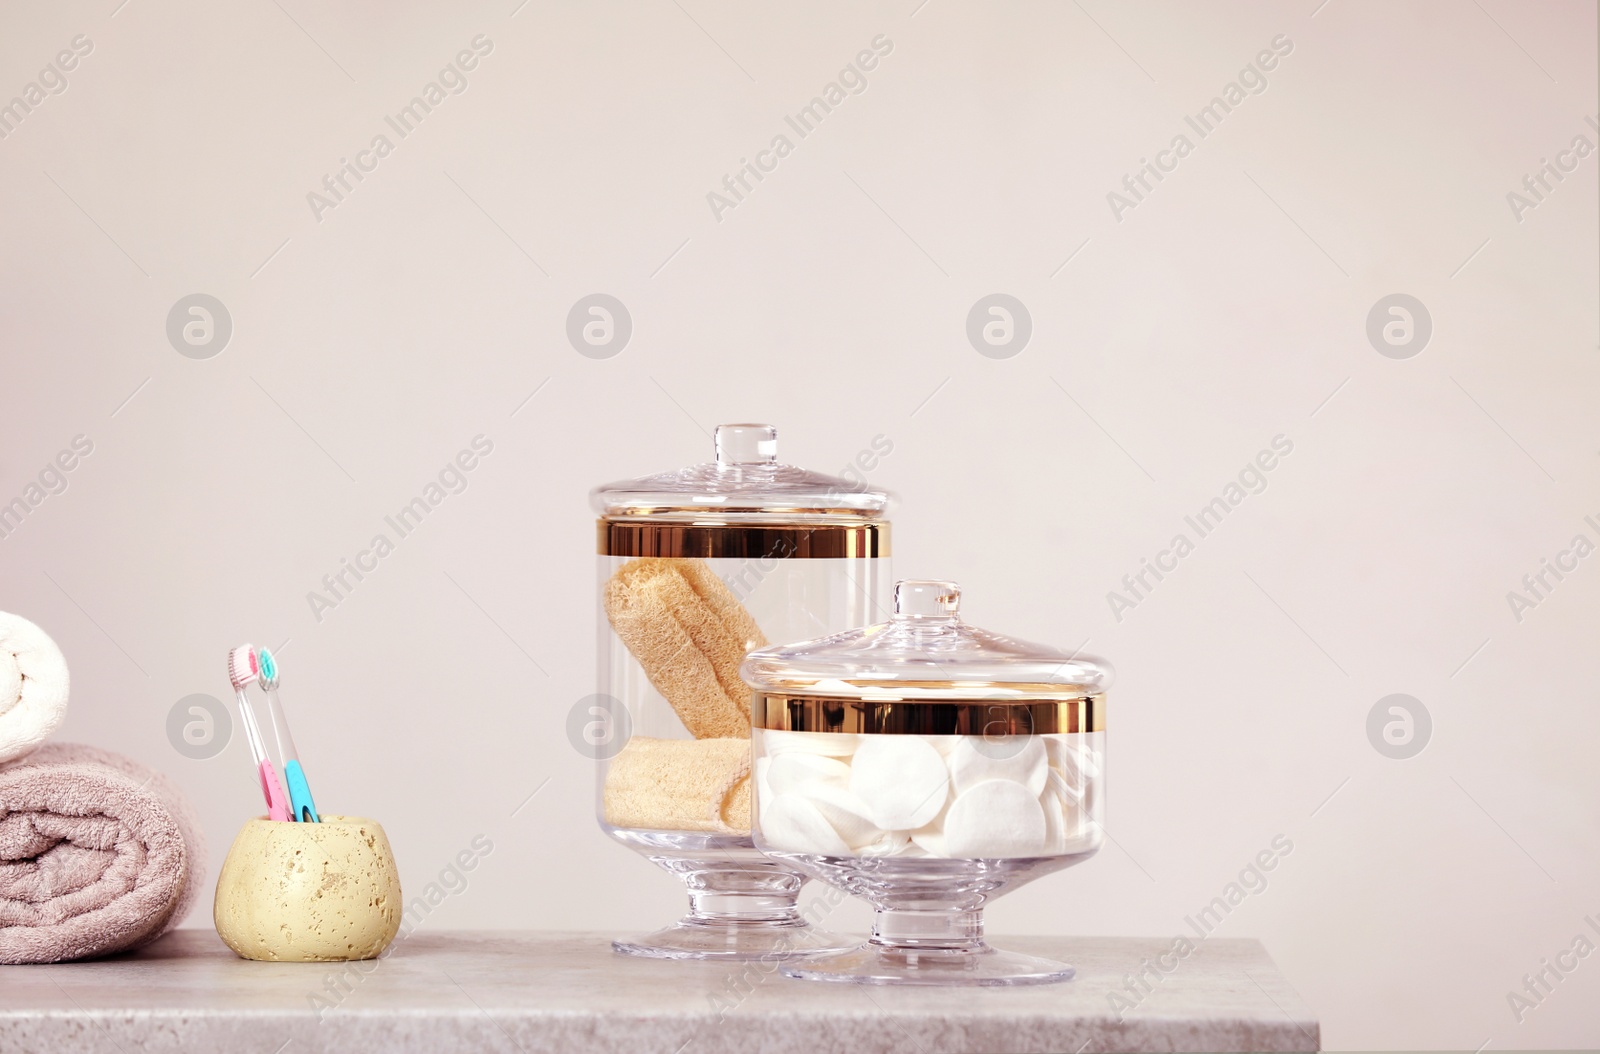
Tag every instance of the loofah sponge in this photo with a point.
(690, 634)
(680, 785)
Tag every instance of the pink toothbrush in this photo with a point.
(243, 671)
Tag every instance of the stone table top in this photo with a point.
(537, 992)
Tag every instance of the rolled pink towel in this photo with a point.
(98, 855)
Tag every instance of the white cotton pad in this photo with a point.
(1079, 800)
(1020, 759)
(996, 818)
(828, 744)
(801, 773)
(890, 843)
(845, 813)
(1091, 761)
(930, 836)
(1056, 824)
(1084, 839)
(901, 780)
(1067, 781)
(930, 839)
(759, 768)
(1059, 785)
(792, 824)
(1078, 762)
(944, 744)
(1079, 831)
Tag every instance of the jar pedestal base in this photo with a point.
(946, 967)
(742, 905)
(693, 938)
(929, 944)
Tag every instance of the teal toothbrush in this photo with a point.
(305, 810)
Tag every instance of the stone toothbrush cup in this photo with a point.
(309, 892)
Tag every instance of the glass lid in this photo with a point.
(745, 481)
(924, 651)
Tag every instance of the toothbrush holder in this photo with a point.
(309, 892)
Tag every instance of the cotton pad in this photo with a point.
(996, 818)
(831, 744)
(792, 824)
(890, 843)
(1084, 840)
(845, 813)
(1059, 786)
(930, 839)
(901, 780)
(1017, 758)
(799, 773)
(930, 836)
(1079, 763)
(1055, 819)
(759, 768)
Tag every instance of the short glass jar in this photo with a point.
(927, 766)
(697, 567)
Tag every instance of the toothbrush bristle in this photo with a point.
(242, 668)
(268, 668)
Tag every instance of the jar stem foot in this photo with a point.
(738, 910)
(947, 929)
(929, 946)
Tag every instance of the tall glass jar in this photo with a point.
(927, 766)
(697, 567)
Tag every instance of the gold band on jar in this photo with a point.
(929, 717)
(822, 541)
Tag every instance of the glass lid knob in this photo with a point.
(917, 598)
(747, 445)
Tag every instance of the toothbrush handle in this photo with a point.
(305, 810)
(277, 802)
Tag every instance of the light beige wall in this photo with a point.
(372, 344)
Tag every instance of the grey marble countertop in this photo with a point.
(536, 992)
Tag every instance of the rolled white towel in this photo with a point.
(33, 686)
